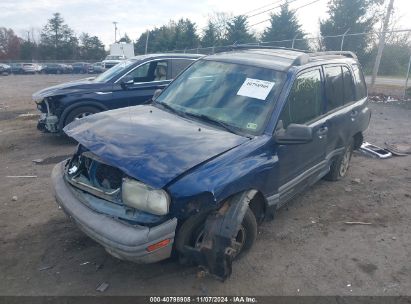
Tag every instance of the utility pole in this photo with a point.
(148, 34)
(28, 36)
(115, 31)
(381, 43)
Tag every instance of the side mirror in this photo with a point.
(293, 134)
(157, 93)
(126, 81)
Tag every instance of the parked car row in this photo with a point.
(220, 149)
(51, 68)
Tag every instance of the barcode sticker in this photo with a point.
(256, 88)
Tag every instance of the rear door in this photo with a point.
(341, 110)
(302, 164)
(147, 77)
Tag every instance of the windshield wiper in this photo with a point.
(168, 107)
(219, 123)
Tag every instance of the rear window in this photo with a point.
(360, 87)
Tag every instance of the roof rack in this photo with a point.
(342, 53)
(301, 59)
(258, 46)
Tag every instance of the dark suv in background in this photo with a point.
(129, 83)
(226, 144)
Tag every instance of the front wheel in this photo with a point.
(79, 113)
(191, 233)
(340, 164)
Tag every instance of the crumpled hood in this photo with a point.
(81, 85)
(150, 144)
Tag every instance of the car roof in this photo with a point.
(167, 55)
(280, 59)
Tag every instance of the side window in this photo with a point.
(177, 65)
(161, 70)
(348, 85)
(304, 103)
(360, 87)
(141, 74)
(334, 87)
(151, 71)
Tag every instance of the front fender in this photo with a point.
(251, 165)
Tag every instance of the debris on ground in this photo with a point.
(356, 181)
(201, 274)
(45, 268)
(28, 116)
(357, 223)
(375, 151)
(348, 189)
(387, 99)
(400, 149)
(102, 287)
(85, 263)
(50, 160)
(14, 198)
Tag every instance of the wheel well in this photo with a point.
(78, 105)
(358, 139)
(258, 207)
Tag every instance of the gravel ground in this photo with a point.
(306, 250)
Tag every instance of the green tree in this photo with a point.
(357, 16)
(28, 50)
(125, 39)
(10, 44)
(91, 48)
(285, 26)
(238, 32)
(394, 60)
(211, 36)
(185, 36)
(57, 40)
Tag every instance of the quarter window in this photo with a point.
(334, 87)
(348, 85)
(304, 102)
(360, 87)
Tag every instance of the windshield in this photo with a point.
(114, 71)
(240, 96)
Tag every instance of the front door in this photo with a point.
(302, 164)
(147, 77)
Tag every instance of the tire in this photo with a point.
(339, 166)
(80, 112)
(191, 231)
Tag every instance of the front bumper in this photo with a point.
(48, 123)
(122, 240)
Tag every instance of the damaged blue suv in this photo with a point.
(226, 144)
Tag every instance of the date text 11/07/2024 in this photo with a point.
(203, 299)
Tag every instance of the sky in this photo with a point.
(136, 16)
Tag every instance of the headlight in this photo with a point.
(37, 99)
(145, 198)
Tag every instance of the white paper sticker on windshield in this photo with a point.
(255, 88)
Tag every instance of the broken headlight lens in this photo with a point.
(144, 198)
